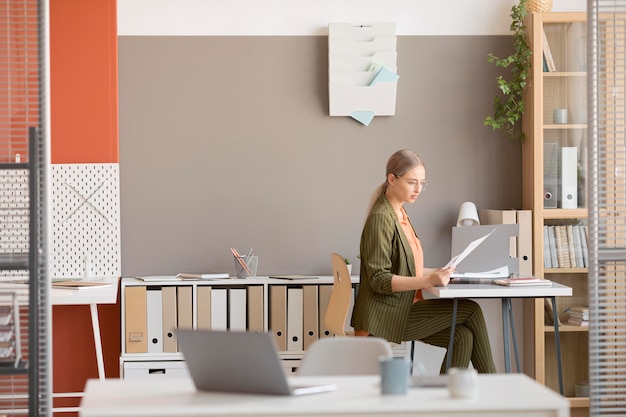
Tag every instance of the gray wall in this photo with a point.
(226, 142)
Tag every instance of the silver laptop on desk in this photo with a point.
(241, 362)
(492, 254)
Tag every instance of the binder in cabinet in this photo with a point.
(278, 314)
(324, 293)
(219, 303)
(256, 308)
(237, 305)
(170, 319)
(521, 245)
(569, 180)
(154, 310)
(135, 319)
(203, 310)
(310, 319)
(294, 318)
(230, 308)
(184, 306)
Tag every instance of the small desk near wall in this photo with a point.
(500, 395)
(91, 296)
(492, 290)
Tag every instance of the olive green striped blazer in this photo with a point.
(385, 251)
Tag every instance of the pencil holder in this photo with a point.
(245, 266)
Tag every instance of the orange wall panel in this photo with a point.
(84, 129)
(83, 72)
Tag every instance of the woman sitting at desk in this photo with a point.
(389, 302)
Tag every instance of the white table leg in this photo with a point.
(95, 325)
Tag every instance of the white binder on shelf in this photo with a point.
(219, 311)
(294, 318)
(154, 302)
(237, 309)
(569, 177)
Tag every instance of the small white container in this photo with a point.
(560, 116)
(463, 383)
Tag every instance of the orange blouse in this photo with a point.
(416, 246)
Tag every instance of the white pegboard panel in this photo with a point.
(85, 240)
(14, 215)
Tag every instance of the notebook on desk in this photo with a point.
(240, 362)
(293, 276)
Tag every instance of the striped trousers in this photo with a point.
(430, 321)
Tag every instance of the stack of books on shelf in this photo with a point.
(578, 316)
(565, 246)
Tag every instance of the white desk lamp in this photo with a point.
(468, 215)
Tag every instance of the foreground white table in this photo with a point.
(503, 395)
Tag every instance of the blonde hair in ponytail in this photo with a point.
(398, 164)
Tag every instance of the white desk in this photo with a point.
(91, 296)
(466, 290)
(503, 395)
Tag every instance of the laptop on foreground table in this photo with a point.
(240, 362)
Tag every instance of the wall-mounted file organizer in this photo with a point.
(362, 70)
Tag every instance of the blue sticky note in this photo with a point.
(364, 117)
(385, 74)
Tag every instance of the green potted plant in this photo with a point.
(509, 106)
(348, 265)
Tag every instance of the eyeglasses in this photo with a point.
(415, 183)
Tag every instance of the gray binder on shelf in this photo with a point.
(494, 252)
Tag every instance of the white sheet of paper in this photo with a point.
(469, 249)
